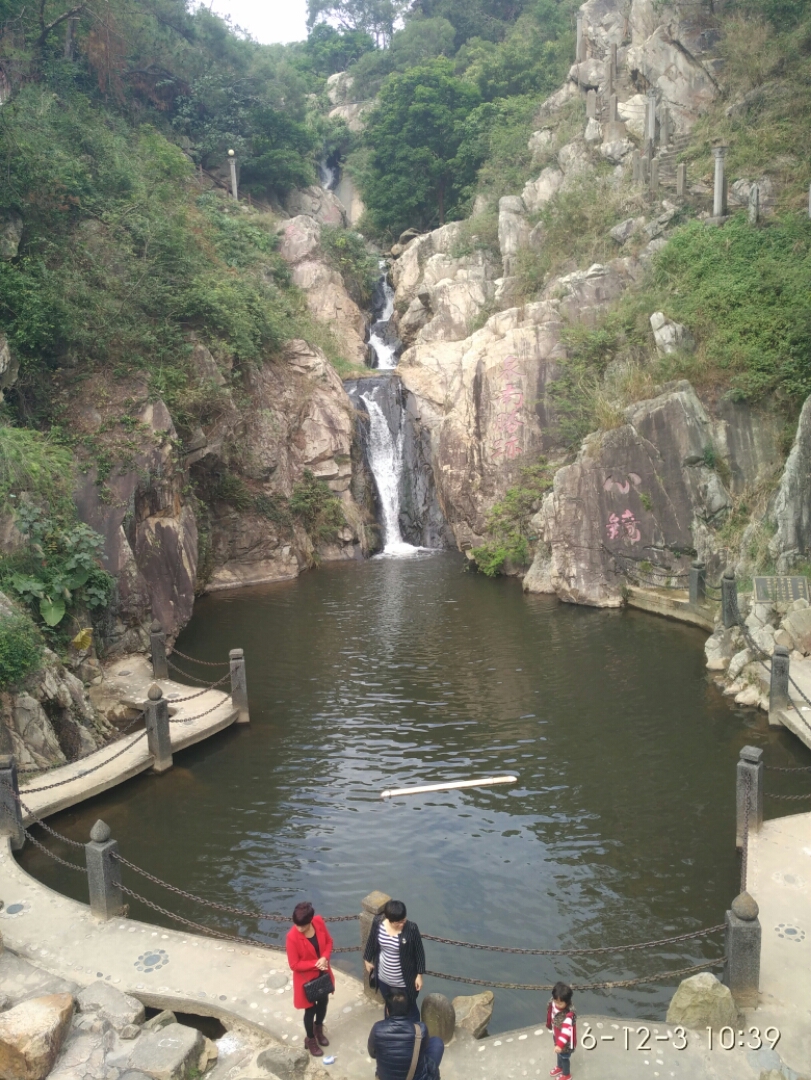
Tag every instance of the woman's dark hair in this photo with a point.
(562, 992)
(303, 913)
(397, 1003)
(395, 910)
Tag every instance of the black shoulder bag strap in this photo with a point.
(415, 1056)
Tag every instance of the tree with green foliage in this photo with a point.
(416, 173)
(329, 51)
(375, 17)
(20, 649)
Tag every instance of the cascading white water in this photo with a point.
(327, 175)
(386, 463)
(385, 353)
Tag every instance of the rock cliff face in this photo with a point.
(643, 492)
(49, 719)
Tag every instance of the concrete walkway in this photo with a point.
(796, 720)
(249, 986)
(133, 677)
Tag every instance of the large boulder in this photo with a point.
(537, 193)
(407, 270)
(474, 1012)
(316, 202)
(11, 232)
(326, 294)
(438, 1016)
(641, 490)
(284, 1062)
(169, 1054)
(455, 291)
(702, 1001)
(31, 1036)
(110, 1004)
(513, 230)
(792, 505)
(9, 365)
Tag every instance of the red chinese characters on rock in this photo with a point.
(507, 427)
(624, 526)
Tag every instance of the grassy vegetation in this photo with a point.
(507, 525)
(20, 649)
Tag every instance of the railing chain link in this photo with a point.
(86, 772)
(203, 663)
(198, 693)
(613, 985)
(579, 952)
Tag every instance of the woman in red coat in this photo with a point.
(309, 947)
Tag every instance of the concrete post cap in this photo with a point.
(155, 627)
(781, 650)
(155, 692)
(236, 654)
(751, 754)
(698, 565)
(100, 832)
(729, 575)
(745, 907)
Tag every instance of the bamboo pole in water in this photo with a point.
(452, 785)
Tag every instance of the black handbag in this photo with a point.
(318, 988)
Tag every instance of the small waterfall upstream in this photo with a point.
(383, 340)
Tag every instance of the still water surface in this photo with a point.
(397, 672)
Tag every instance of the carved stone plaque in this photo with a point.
(780, 589)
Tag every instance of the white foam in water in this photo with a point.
(386, 462)
(386, 360)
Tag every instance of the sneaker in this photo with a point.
(565, 1076)
(557, 1071)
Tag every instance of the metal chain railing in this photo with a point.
(62, 764)
(203, 663)
(788, 798)
(199, 716)
(578, 952)
(611, 985)
(193, 678)
(86, 772)
(199, 693)
(652, 577)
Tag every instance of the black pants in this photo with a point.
(315, 1015)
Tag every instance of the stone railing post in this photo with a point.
(650, 121)
(778, 685)
(591, 105)
(664, 127)
(239, 686)
(104, 874)
(158, 738)
(719, 197)
(608, 78)
(157, 640)
(681, 181)
(743, 935)
(11, 818)
(750, 775)
(754, 204)
(729, 599)
(370, 906)
(613, 109)
(654, 176)
(580, 42)
(698, 583)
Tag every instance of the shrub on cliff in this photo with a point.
(20, 649)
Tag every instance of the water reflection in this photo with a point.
(394, 673)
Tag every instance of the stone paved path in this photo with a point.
(133, 676)
(249, 986)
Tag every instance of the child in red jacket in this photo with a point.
(561, 1019)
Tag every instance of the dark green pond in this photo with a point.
(398, 672)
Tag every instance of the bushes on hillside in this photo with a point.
(20, 649)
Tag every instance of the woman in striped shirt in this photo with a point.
(394, 954)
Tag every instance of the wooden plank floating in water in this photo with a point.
(486, 781)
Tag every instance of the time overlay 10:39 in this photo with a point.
(726, 1038)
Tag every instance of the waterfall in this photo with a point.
(386, 463)
(328, 174)
(382, 339)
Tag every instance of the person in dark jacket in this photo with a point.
(394, 954)
(391, 1043)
